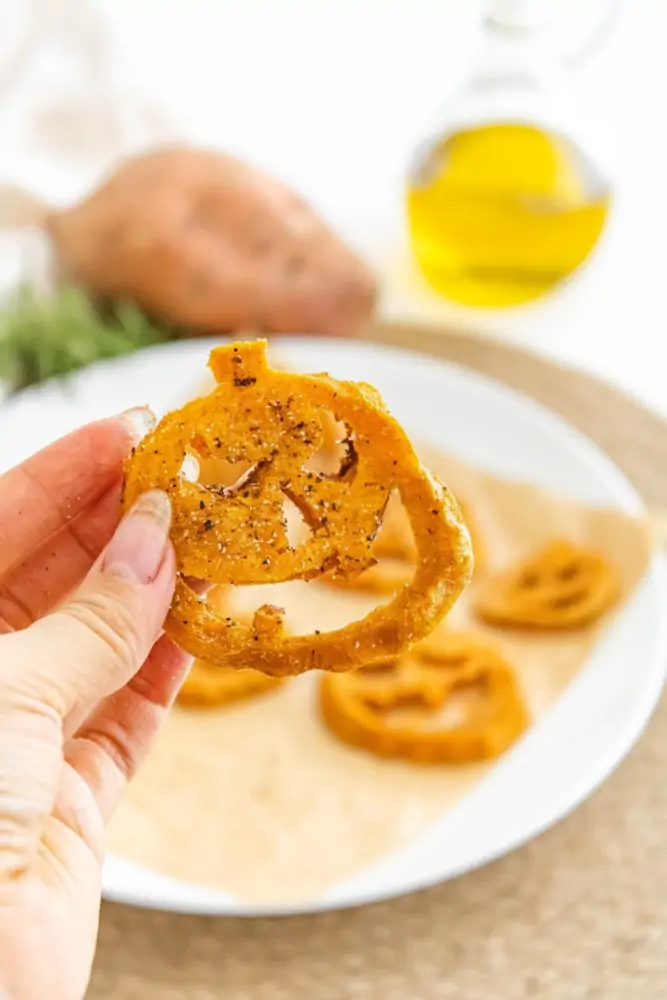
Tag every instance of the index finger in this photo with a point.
(43, 494)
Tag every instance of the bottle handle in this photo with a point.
(531, 15)
(596, 37)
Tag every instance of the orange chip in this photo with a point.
(450, 700)
(272, 421)
(208, 687)
(563, 586)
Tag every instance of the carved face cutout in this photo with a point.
(394, 550)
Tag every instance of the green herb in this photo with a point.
(43, 337)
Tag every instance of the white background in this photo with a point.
(332, 95)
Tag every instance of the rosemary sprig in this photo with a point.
(42, 337)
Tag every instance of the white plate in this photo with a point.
(595, 722)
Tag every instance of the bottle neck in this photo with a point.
(518, 46)
(520, 16)
(515, 75)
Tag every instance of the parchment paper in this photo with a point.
(258, 799)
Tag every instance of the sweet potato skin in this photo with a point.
(212, 244)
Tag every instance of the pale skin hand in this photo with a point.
(83, 690)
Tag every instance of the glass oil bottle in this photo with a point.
(507, 198)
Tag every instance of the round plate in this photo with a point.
(566, 755)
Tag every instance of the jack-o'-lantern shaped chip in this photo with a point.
(271, 423)
(450, 700)
(209, 687)
(563, 586)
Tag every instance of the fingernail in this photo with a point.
(140, 419)
(138, 548)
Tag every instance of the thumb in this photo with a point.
(99, 638)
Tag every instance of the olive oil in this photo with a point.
(501, 213)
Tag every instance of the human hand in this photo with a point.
(85, 680)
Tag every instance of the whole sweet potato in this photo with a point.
(209, 243)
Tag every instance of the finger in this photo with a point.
(39, 583)
(53, 487)
(109, 747)
(99, 638)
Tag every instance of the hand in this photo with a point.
(77, 707)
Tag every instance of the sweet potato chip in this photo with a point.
(208, 687)
(450, 700)
(237, 534)
(564, 586)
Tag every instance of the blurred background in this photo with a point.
(338, 100)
